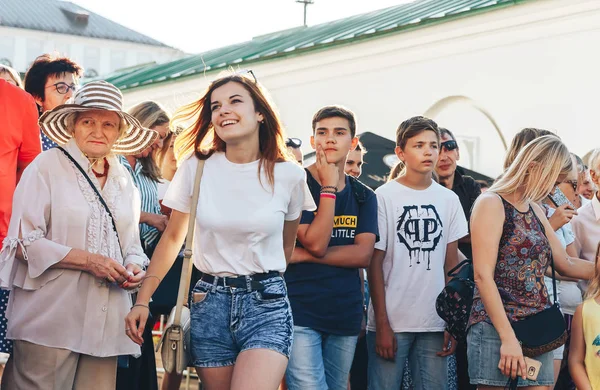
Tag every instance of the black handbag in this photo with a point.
(454, 303)
(544, 331)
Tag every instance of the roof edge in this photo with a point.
(329, 45)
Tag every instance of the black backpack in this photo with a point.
(454, 303)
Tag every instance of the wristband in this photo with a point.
(334, 188)
(328, 195)
(141, 305)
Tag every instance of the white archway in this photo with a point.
(449, 101)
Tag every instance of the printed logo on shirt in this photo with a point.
(344, 226)
(348, 221)
(419, 229)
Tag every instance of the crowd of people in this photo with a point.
(303, 278)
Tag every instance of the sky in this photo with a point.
(195, 26)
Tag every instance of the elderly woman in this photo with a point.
(73, 253)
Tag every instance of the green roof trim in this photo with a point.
(300, 40)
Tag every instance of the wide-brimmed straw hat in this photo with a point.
(98, 95)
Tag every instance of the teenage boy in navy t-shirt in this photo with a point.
(334, 244)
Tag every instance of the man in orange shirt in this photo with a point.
(19, 145)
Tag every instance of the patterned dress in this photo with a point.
(5, 344)
(523, 256)
(47, 143)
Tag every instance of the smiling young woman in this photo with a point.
(208, 133)
(248, 212)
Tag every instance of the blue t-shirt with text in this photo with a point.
(324, 297)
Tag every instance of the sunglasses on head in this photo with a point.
(293, 143)
(248, 73)
(449, 145)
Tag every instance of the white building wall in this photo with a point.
(532, 65)
(21, 46)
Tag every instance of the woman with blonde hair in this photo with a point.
(12, 76)
(521, 139)
(559, 217)
(511, 252)
(248, 212)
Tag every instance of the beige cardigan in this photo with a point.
(56, 210)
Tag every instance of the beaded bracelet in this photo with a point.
(334, 188)
(141, 305)
(152, 276)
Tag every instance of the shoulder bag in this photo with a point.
(175, 341)
(454, 303)
(544, 331)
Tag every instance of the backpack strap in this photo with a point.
(453, 272)
(359, 189)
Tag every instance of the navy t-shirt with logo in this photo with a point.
(324, 297)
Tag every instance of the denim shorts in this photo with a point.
(483, 354)
(229, 320)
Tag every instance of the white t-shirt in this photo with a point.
(162, 187)
(414, 227)
(239, 220)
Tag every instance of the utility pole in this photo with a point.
(306, 3)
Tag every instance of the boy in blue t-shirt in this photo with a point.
(334, 244)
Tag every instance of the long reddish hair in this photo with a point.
(201, 138)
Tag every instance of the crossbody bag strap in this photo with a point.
(98, 194)
(186, 270)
